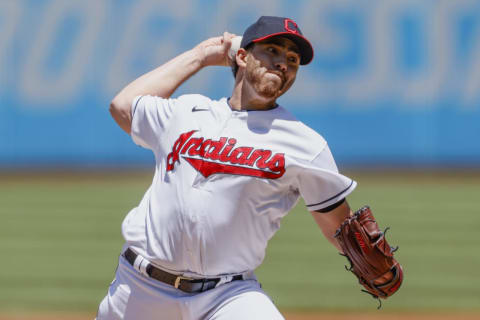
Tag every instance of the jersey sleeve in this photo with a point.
(320, 183)
(150, 119)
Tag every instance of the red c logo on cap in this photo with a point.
(288, 28)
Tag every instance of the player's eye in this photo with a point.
(271, 49)
(293, 59)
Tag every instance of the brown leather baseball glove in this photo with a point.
(370, 256)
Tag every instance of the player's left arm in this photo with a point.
(329, 221)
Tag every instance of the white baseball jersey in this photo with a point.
(223, 181)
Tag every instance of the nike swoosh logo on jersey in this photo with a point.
(196, 108)
(209, 157)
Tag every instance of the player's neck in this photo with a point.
(245, 98)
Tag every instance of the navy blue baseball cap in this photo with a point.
(268, 26)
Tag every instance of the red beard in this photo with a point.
(266, 84)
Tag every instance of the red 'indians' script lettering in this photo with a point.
(209, 156)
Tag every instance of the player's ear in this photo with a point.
(241, 58)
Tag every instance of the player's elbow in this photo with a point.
(120, 112)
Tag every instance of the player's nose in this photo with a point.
(281, 65)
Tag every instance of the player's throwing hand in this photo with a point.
(214, 51)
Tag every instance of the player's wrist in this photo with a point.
(191, 60)
(198, 57)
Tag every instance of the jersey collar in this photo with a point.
(233, 110)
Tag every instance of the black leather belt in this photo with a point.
(185, 284)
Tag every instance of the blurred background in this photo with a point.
(394, 87)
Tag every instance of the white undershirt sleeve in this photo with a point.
(320, 183)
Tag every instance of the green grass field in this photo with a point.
(60, 240)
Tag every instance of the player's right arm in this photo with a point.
(164, 80)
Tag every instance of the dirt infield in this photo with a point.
(288, 316)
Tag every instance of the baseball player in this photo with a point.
(226, 173)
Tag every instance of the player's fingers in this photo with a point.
(227, 37)
(217, 39)
(212, 42)
(227, 40)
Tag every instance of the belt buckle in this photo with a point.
(180, 278)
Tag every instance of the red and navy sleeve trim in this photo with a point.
(331, 198)
(331, 207)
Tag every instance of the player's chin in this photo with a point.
(270, 94)
(271, 89)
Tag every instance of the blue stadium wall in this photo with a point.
(393, 83)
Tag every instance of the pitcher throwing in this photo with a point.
(227, 171)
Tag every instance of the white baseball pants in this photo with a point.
(134, 296)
